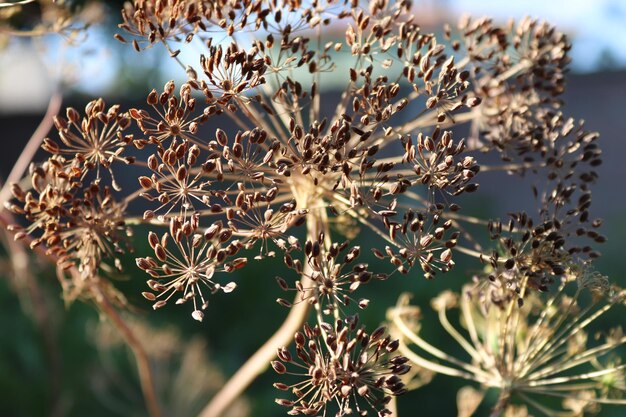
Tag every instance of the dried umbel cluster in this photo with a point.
(187, 269)
(82, 224)
(387, 157)
(342, 367)
(543, 349)
(333, 275)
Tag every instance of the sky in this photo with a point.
(597, 28)
(594, 25)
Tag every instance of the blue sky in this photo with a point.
(595, 26)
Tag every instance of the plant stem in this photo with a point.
(25, 158)
(503, 401)
(260, 360)
(143, 362)
(34, 304)
(393, 406)
(17, 3)
(257, 363)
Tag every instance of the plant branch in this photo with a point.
(260, 360)
(503, 401)
(35, 304)
(31, 148)
(17, 3)
(257, 363)
(143, 362)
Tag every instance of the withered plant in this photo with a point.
(396, 156)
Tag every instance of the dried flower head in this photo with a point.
(186, 262)
(93, 142)
(536, 255)
(331, 282)
(174, 116)
(81, 228)
(422, 243)
(153, 21)
(177, 184)
(529, 352)
(94, 232)
(53, 185)
(378, 157)
(341, 366)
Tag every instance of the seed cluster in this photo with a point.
(69, 208)
(540, 350)
(331, 286)
(342, 367)
(186, 268)
(422, 243)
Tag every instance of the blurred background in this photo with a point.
(58, 360)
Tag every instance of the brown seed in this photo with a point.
(149, 296)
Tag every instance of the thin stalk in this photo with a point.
(25, 158)
(544, 355)
(260, 360)
(552, 393)
(545, 410)
(445, 323)
(487, 359)
(432, 366)
(511, 167)
(143, 362)
(393, 406)
(34, 303)
(257, 118)
(17, 3)
(173, 54)
(579, 359)
(531, 349)
(473, 373)
(503, 401)
(570, 378)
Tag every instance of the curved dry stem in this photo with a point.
(4, 5)
(143, 362)
(31, 148)
(260, 360)
(35, 304)
(464, 370)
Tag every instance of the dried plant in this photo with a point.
(542, 349)
(386, 159)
